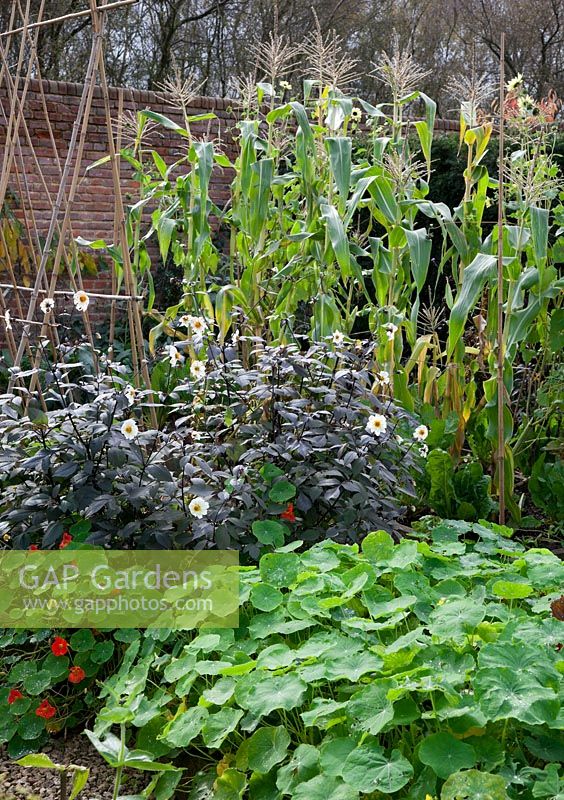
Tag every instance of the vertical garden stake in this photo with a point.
(63, 785)
(500, 348)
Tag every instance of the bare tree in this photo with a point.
(214, 40)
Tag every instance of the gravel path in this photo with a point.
(21, 783)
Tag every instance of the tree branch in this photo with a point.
(195, 17)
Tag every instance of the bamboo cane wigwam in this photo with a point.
(23, 322)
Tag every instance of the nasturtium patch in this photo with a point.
(393, 670)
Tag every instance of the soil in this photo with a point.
(25, 783)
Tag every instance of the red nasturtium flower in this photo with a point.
(45, 710)
(76, 675)
(14, 695)
(66, 540)
(60, 646)
(289, 515)
(34, 547)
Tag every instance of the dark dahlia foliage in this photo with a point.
(264, 451)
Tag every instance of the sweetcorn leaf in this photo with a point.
(482, 269)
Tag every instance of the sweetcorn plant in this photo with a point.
(324, 236)
(428, 667)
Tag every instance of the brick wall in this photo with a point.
(93, 210)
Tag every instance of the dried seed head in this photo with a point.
(276, 57)
(400, 71)
(331, 65)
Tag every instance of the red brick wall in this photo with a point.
(93, 210)
(92, 215)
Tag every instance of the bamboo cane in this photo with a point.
(500, 345)
(136, 329)
(74, 15)
(85, 101)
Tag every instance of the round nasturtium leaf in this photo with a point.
(303, 766)
(474, 785)
(270, 471)
(126, 635)
(82, 640)
(37, 683)
(186, 726)
(369, 709)
(8, 727)
(282, 491)
(333, 753)
(527, 656)
(217, 727)
(323, 787)
(280, 569)
(456, 618)
(262, 695)
(445, 754)
(270, 531)
(512, 591)
(18, 747)
(369, 769)
(220, 692)
(265, 597)
(503, 693)
(102, 652)
(378, 546)
(276, 656)
(21, 671)
(56, 666)
(20, 706)
(229, 785)
(267, 747)
(31, 726)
